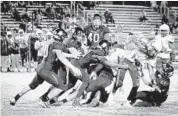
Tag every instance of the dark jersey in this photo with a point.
(73, 43)
(162, 83)
(94, 36)
(96, 66)
(88, 59)
(50, 57)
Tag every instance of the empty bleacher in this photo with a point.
(174, 11)
(128, 16)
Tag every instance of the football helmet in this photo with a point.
(164, 30)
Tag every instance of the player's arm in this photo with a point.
(98, 52)
(64, 50)
(96, 70)
(110, 63)
(67, 55)
(63, 59)
(98, 67)
(59, 50)
(116, 65)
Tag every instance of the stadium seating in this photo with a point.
(7, 18)
(125, 15)
(128, 17)
(174, 10)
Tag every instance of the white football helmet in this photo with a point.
(164, 30)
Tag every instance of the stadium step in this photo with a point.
(121, 12)
(122, 6)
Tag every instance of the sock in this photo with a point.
(52, 101)
(64, 100)
(17, 97)
(45, 99)
(133, 93)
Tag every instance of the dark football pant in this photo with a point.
(153, 97)
(62, 73)
(103, 80)
(134, 75)
(34, 54)
(49, 76)
(39, 59)
(23, 54)
(85, 75)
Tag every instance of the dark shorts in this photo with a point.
(72, 80)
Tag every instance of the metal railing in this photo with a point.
(81, 10)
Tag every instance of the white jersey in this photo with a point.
(40, 46)
(114, 54)
(162, 44)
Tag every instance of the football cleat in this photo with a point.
(126, 104)
(12, 102)
(43, 104)
(76, 103)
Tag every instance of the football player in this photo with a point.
(96, 32)
(164, 43)
(45, 70)
(104, 77)
(156, 98)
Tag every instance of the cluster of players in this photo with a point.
(88, 68)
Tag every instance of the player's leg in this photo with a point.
(69, 94)
(56, 81)
(89, 86)
(92, 85)
(120, 79)
(103, 83)
(53, 93)
(135, 80)
(62, 74)
(109, 90)
(151, 70)
(93, 99)
(47, 92)
(37, 80)
(85, 75)
(146, 78)
(145, 96)
(80, 92)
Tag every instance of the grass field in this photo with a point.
(11, 83)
